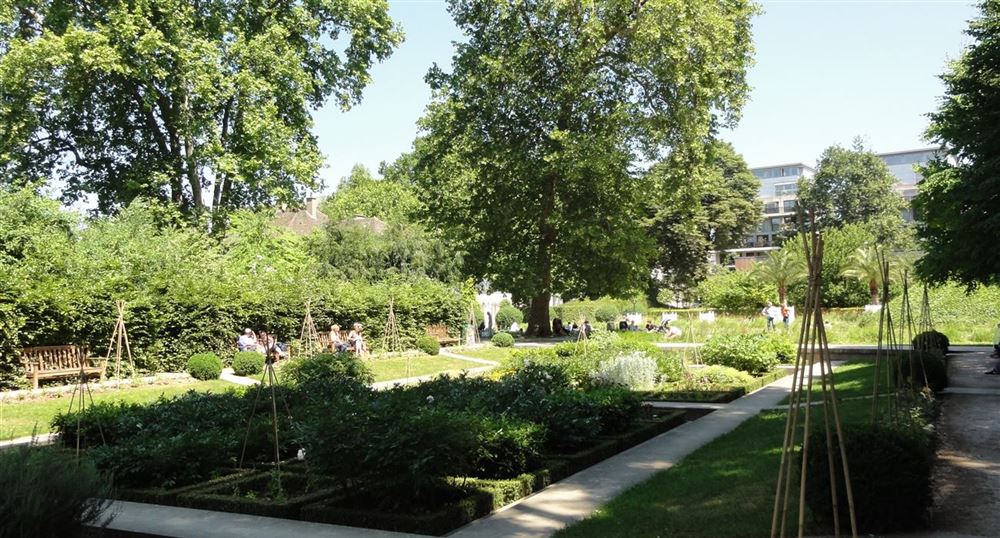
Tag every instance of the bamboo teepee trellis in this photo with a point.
(472, 338)
(309, 337)
(813, 352)
(119, 341)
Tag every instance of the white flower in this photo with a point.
(301, 456)
(430, 399)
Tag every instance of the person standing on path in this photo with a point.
(769, 313)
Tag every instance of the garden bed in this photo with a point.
(259, 494)
(724, 395)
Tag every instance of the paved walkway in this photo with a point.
(967, 479)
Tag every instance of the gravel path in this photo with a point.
(967, 480)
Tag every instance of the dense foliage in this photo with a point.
(528, 146)
(932, 342)
(890, 471)
(429, 345)
(923, 369)
(746, 352)
(207, 105)
(246, 363)
(508, 314)
(502, 340)
(735, 291)
(956, 200)
(45, 493)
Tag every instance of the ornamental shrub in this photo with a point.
(669, 366)
(781, 345)
(508, 314)
(47, 494)
(502, 340)
(744, 352)
(307, 372)
(890, 471)
(204, 366)
(606, 312)
(931, 341)
(713, 378)
(929, 364)
(248, 363)
(429, 345)
(508, 447)
(635, 371)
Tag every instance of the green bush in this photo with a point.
(508, 315)
(890, 472)
(47, 494)
(931, 341)
(670, 366)
(502, 340)
(204, 366)
(928, 366)
(306, 372)
(735, 291)
(248, 363)
(781, 345)
(606, 313)
(713, 378)
(744, 352)
(508, 447)
(429, 345)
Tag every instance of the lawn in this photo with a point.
(725, 488)
(23, 418)
(488, 352)
(396, 368)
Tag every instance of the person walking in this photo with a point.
(785, 315)
(768, 313)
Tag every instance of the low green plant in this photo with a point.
(744, 352)
(204, 366)
(46, 493)
(502, 340)
(247, 363)
(322, 367)
(508, 314)
(890, 470)
(781, 345)
(636, 371)
(928, 368)
(711, 378)
(508, 447)
(429, 345)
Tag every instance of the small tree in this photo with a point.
(866, 265)
(781, 268)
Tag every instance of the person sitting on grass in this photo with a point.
(671, 331)
(336, 344)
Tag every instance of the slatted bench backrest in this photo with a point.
(438, 331)
(47, 358)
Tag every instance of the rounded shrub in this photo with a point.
(508, 314)
(931, 341)
(204, 366)
(635, 371)
(323, 367)
(248, 363)
(606, 312)
(927, 366)
(502, 340)
(781, 345)
(429, 345)
(890, 472)
(713, 378)
(746, 352)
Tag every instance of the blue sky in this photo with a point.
(826, 71)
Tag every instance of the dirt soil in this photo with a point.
(967, 479)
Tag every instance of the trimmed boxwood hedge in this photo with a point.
(429, 345)
(928, 366)
(204, 366)
(502, 340)
(248, 363)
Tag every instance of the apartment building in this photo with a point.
(778, 195)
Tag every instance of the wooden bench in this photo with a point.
(440, 333)
(55, 362)
(324, 339)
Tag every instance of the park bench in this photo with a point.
(440, 333)
(324, 339)
(55, 362)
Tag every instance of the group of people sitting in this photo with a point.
(559, 328)
(355, 340)
(264, 343)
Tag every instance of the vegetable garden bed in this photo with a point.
(725, 395)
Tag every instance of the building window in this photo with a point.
(770, 207)
(790, 171)
(788, 206)
(784, 189)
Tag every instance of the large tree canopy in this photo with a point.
(958, 201)
(710, 205)
(205, 104)
(529, 148)
(854, 186)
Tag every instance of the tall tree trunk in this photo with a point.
(873, 291)
(190, 163)
(538, 315)
(783, 295)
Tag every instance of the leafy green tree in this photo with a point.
(781, 268)
(258, 247)
(709, 206)
(854, 186)
(734, 291)
(361, 194)
(957, 202)
(206, 104)
(839, 244)
(865, 265)
(528, 149)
